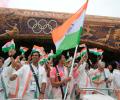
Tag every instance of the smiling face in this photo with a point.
(35, 57)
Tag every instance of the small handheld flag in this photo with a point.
(23, 50)
(8, 46)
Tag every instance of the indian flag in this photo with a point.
(96, 51)
(93, 50)
(8, 46)
(23, 49)
(100, 51)
(96, 77)
(43, 61)
(68, 34)
(39, 49)
(83, 52)
(77, 55)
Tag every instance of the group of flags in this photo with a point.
(44, 57)
(11, 45)
(65, 37)
(95, 51)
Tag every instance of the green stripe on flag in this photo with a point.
(70, 41)
(6, 49)
(22, 51)
(96, 77)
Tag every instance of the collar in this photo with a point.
(35, 66)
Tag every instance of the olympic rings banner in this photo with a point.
(28, 25)
(41, 25)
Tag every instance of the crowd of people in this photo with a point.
(28, 78)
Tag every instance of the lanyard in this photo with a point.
(36, 78)
(36, 91)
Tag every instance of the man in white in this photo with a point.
(12, 86)
(5, 71)
(28, 89)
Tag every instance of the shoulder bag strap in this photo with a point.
(59, 78)
(35, 77)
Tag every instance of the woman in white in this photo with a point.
(63, 73)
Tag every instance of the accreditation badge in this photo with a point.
(33, 86)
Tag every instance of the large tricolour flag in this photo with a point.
(68, 34)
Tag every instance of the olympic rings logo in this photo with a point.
(42, 25)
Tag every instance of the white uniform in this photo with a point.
(6, 73)
(116, 79)
(3, 83)
(12, 86)
(48, 91)
(28, 85)
(63, 74)
(2, 92)
(84, 80)
(97, 75)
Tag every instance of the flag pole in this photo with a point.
(70, 74)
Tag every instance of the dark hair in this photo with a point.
(2, 59)
(35, 52)
(56, 60)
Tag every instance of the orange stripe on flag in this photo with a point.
(60, 31)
